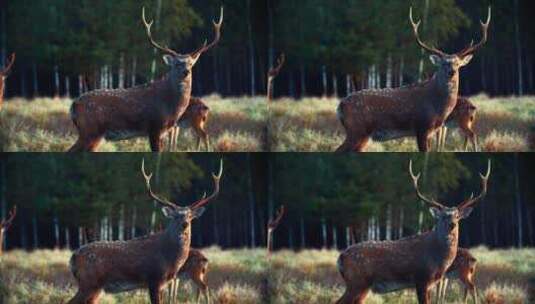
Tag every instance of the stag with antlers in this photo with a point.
(272, 74)
(463, 269)
(147, 262)
(271, 226)
(148, 110)
(417, 110)
(194, 269)
(3, 75)
(5, 225)
(195, 117)
(418, 261)
(463, 117)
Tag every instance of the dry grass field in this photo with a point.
(310, 125)
(44, 125)
(245, 276)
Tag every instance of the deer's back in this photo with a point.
(126, 265)
(196, 263)
(464, 261)
(196, 113)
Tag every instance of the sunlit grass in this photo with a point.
(43, 276)
(311, 276)
(502, 124)
(44, 125)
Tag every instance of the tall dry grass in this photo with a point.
(42, 276)
(503, 125)
(44, 125)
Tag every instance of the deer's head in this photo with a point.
(447, 218)
(6, 224)
(181, 64)
(181, 217)
(448, 65)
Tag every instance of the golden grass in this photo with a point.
(234, 276)
(44, 125)
(309, 125)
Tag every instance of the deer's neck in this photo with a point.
(444, 91)
(445, 246)
(180, 91)
(176, 244)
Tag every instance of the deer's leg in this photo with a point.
(438, 292)
(155, 139)
(438, 138)
(422, 291)
(444, 136)
(175, 139)
(422, 137)
(85, 297)
(474, 294)
(155, 293)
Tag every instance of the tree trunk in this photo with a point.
(401, 70)
(23, 82)
(324, 81)
(251, 201)
(121, 76)
(35, 232)
(348, 85)
(215, 72)
(57, 244)
(388, 80)
(56, 82)
(251, 49)
(215, 226)
(401, 222)
(134, 71)
(121, 224)
(302, 230)
(335, 238)
(155, 52)
(67, 238)
(67, 87)
(335, 86)
(388, 229)
(133, 223)
(518, 200)
(520, 89)
(303, 80)
(324, 233)
(35, 81)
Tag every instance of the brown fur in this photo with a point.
(4, 72)
(463, 269)
(150, 110)
(195, 269)
(195, 117)
(416, 111)
(5, 225)
(415, 262)
(462, 117)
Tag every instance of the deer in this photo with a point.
(271, 226)
(272, 74)
(149, 262)
(195, 117)
(418, 261)
(462, 117)
(3, 75)
(148, 110)
(462, 269)
(412, 111)
(5, 225)
(194, 269)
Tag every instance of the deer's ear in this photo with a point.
(465, 212)
(466, 59)
(195, 213)
(168, 59)
(167, 212)
(435, 212)
(436, 60)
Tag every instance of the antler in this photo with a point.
(273, 72)
(429, 201)
(147, 177)
(7, 222)
(275, 222)
(484, 181)
(217, 31)
(151, 40)
(204, 200)
(415, 27)
(9, 65)
(484, 30)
